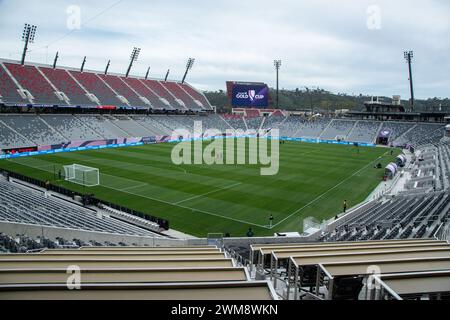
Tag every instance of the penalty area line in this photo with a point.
(187, 208)
(163, 201)
(210, 192)
(136, 186)
(326, 192)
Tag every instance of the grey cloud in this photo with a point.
(322, 43)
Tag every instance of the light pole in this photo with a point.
(277, 64)
(83, 64)
(56, 60)
(29, 33)
(107, 67)
(409, 55)
(133, 58)
(189, 66)
(167, 75)
(310, 100)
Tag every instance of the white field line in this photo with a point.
(208, 193)
(323, 194)
(188, 208)
(161, 201)
(232, 219)
(136, 186)
(42, 167)
(146, 184)
(134, 165)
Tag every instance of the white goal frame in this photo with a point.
(82, 175)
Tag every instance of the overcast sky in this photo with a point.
(351, 46)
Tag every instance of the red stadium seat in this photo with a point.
(95, 85)
(31, 80)
(179, 93)
(162, 92)
(144, 91)
(65, 83)
(8, 89)
(252, 113)
(44, 82)
(122, 89)
(196, 95)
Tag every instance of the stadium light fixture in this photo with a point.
(409, 55)
(277, 64)
(189, 66)
(133, 58)
(190, 63)
(28, 36)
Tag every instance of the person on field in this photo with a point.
(250, 233)
(345, 206)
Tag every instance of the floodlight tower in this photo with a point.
(29, 33)
(133, 58)
(189, 66)
(107, 67)
(409, 55)
(83, 64)
(167, 75)
(56, 60)
(277, 64)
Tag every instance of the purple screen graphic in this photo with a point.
(385, 133)
(255, 96)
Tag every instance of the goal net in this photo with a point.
(86, 176)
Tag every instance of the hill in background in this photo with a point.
(320, 99)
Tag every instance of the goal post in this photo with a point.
(83, 175)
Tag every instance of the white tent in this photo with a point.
(391, 170)
(401, 160)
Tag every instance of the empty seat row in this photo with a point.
(17, 206)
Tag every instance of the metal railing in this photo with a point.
(443, 232)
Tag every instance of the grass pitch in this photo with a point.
(313, 181)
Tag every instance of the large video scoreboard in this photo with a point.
(248, 94)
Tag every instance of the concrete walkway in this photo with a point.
(178, 235)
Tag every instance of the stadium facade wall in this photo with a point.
(52, 233)
(266, 240)
(35, 231)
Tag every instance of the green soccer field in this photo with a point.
(313, 181)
